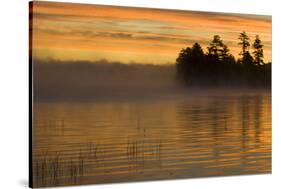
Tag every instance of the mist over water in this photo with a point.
(54, 80)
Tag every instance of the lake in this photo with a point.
(178, 136)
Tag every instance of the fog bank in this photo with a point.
(57, 80)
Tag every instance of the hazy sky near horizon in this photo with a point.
(68, 31)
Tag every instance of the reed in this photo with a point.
(50, 169)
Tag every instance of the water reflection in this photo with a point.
(98, 142)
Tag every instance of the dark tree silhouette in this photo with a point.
(244, 42)
(219, 52)
(183, 63)
(243, 37)
(216, 47)
(248, 59)
(226, 57)
(224, 52)
(189, 62)
(184, 55)
(258, 51)
(218, 68)
(197, 54)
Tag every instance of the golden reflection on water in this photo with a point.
(115, 141)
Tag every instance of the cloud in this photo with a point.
(136, 30)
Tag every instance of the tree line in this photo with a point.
(218, 67)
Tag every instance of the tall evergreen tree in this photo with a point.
(184, 56)
(215, 49)
(218, 51)
(197, 53)
(258, 51)
(244, 42)
(215, 46)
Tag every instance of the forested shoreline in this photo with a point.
(219, 68)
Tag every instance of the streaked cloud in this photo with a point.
(91, 32)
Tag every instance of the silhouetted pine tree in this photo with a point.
(258, 51)
(244, 42)
(215, 48)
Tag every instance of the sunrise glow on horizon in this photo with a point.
(68, 31)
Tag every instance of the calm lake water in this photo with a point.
(129, 140)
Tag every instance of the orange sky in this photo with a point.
(69, 31)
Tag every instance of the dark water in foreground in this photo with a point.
(177, 137)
